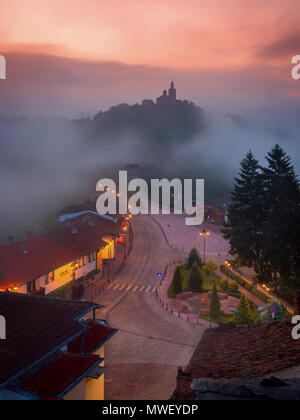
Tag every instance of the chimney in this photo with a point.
(23, 248)
(297, 303)
(74, 230)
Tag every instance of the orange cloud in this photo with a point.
(170, 33)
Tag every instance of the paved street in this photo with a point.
(142, 359)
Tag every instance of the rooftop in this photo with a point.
(93, 338)
(54, 380)
(245, 352)
(37, 327)
(26, 260)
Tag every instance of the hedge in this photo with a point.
(244, 284)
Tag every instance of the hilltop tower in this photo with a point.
(172, 94)
(168, 98)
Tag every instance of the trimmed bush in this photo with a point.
(233, 286)
(223, 283)
(210, 267)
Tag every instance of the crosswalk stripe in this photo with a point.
(116, 287)
(142, 288)
(134, 290)
(128, 288)
(109, 286)
(154, 289)
(148, 289)
(122, 287)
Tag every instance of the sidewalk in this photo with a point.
(97, 284)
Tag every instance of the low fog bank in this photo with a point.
(48, 164)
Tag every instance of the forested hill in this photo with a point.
(177, 123)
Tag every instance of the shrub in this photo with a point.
(194, 258)
(233, 286)
(195, 279)
(223, 283)
(177, 281)
(210, 267)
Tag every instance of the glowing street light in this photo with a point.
(205, 235)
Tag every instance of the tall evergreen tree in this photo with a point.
(215, 307)
(195, 279)
(194, 258)
(246, 214)
(177, 281)
(282, 224)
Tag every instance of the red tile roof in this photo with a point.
(245, 352)
(104, 226)
(93, 339)
(53, 380)
(46, 253)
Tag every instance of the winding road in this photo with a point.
(143, 357)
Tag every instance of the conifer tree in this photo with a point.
(194, 258)
(274, 312)
(282, 224)
(244, 315)
(246, 213)
(195, 280)
(177, 281)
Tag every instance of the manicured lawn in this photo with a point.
(224, 318)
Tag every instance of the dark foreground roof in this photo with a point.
(241, 389)
(93, 338)
(245, 352)
(35, 328)
(54, 380)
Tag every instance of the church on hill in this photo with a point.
(167, 99)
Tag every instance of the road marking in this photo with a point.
(130, 287)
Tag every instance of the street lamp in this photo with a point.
(227, 265)
(259, 311)
(205, 235)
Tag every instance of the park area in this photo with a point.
(196, 288)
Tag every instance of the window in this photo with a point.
(31, 286)
(49, 277)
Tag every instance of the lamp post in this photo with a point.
(205, 235)
(227, 265)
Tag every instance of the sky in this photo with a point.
(84, 55)
(73, 58)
